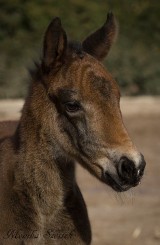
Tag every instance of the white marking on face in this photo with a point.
(107, 165)
(131, 154)
(135, 157)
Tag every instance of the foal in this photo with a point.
(71, 114)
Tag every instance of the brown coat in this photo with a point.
(71, 114)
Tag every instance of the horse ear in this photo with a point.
(98, 43)
(55, 44)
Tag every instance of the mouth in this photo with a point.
(116, 184)
(114, 180)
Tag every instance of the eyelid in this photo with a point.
(66, 95)
(71, 101)
(76, 105)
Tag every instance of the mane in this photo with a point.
(76, 47)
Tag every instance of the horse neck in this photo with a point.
(42, 161)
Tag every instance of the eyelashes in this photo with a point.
(72, 106)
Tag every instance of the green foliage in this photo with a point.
(134, 59)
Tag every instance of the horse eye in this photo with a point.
(72, 106)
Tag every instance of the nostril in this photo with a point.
(140, 172)
(129, 172)
(143, 163)
(141, 167)
(126, 169)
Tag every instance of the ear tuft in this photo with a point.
(56, 21)
(99, 43)
(55, 44)
(110, 16)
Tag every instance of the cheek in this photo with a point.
(106, 124)
(74, 134)
(95, 121)
(81, 136)
(60, 132)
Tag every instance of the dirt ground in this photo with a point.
(131, 218)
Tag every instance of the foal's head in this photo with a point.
(82, 109)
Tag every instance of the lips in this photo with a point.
(117, 186)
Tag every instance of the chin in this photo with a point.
(116, 184)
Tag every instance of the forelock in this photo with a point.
(76, 47)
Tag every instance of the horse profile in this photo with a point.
(71, 115)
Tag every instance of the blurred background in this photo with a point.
(131, 218)
(134, 59)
